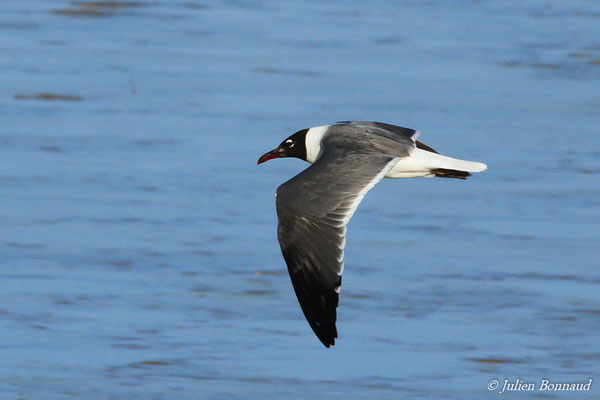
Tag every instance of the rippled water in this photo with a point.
(139, 253)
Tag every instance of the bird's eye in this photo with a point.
(290, 143)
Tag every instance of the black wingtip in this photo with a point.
(423, 146)
(317, 294)
(323, 324)
(450, 173)
(326, 337)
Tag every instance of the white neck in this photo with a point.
(313, 142)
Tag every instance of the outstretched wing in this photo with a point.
(313, 209)
(390, 131)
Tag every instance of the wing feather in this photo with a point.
(313, 209)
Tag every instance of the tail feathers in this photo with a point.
(425, 162)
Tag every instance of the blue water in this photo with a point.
(139, 252)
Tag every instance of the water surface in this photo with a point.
(139, 253)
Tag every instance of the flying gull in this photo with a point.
(314, 207)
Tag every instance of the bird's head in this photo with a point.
(294, 146)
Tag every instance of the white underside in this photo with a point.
(353, 208)
(420, 163)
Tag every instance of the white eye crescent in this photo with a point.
(290, 142)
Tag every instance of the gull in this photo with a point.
(313, 208)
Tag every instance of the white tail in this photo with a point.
(422, 163)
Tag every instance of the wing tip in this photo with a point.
(450, 173)
(327, 338)
(456, 173)
(325, 327)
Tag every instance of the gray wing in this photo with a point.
(313, 209)
(394, 132)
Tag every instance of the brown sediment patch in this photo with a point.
(81, 12)
(358, 296)
(96, 8)
(511, 64)
(567, 318)
(493, 360)
(48, 96)
(109, 4)
(51, 149)
(259, 292)
(148, 363)
(584, 55)
(154, 362)
(580, 54)
(120, 263)
(259, 272)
